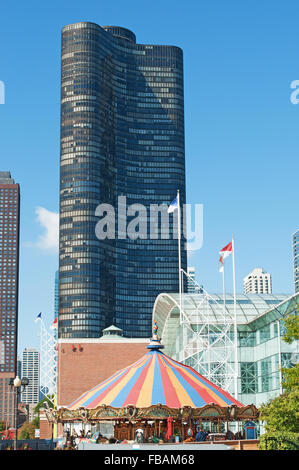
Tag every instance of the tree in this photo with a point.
(49, 400)
(27, 431)
(291, 378)
(292, 328)
(3, 425)
(281, 414)
(291, 375)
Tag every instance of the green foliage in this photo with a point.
(282, 413)
(36, 422)
(27, 431)
(291, 375)
(279, 441)
(292, 326)
(50, 402)
(291, 378)
(2, 425)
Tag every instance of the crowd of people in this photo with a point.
(72, 439)
(202, 435)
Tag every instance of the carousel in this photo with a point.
(156, 397)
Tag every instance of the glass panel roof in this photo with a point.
(262, 308)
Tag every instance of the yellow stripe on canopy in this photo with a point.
(183, 396)
(146, 391)
(218, 399)
(117, 388)
(96, 391)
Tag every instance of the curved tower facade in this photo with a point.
(122, 136)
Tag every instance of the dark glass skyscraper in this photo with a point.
(296, 259)
(122, 134)
(9, 275)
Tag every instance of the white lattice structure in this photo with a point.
(209, 346)
(48, 361)
(206, 339)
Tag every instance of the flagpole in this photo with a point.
(235, 323)
(179, 251)
(223, 288)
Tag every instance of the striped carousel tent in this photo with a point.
(155, 379)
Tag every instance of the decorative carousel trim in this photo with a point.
(153, 412)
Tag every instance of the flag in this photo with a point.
(54, 324)
(227, 250)
(173, 205)
(39, 317)
(221, 264)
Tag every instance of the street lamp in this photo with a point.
(16, 384)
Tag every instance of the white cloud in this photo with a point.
(48, 241)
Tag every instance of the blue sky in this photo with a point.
(241, 128)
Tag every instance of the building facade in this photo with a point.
(31, 369)
(9, 275)
(296, 260)
(261, 351)
(122, 143)
(258, 282)
(190, 279)
(84, 363)
(192, 286)
(56, 295)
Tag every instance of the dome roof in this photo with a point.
(155, 379)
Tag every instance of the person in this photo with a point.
(139, 436)
(99, 438)
(201, 435)
(229, 435)
(239, 435)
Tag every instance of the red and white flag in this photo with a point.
(221, 264)
(227, 250)
(54, 324)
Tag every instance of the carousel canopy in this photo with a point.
(155, 379)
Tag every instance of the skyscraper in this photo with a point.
(122, 135)
(258, 282)
(192, 287)
(56, 295)
(296, 259)
(31, 370)
(9, 274)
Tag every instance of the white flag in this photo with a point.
(221, 264)
(54, 324)
(173, 205)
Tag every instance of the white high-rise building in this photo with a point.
(258, 282)
(191, 275)
(192, 287)
(30, 369)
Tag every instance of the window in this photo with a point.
(248, 377)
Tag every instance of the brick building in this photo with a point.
(9, 274)
(84, 363)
